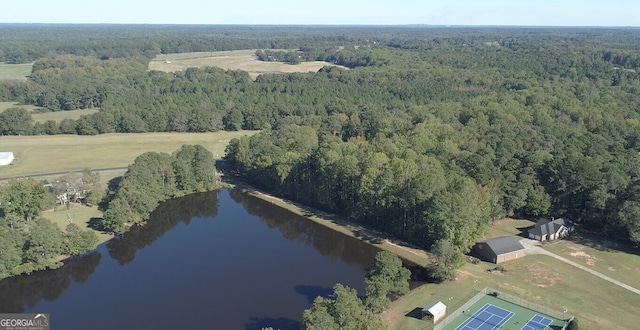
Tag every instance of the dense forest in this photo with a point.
(429, 135)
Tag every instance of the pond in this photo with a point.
(218, 260)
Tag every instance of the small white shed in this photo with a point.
(434, 312)
(6, 158)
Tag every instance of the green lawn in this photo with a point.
(15, 71)
(70, 153)
(79, 214)
(508, 227)
(616, 260)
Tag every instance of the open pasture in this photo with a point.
(15, 71)
(42, 117)
(244, 60)
(7, 105)
(70, 153)
(58, 116)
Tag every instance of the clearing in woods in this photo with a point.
(15, 71)
(244, 60)
(42, 117)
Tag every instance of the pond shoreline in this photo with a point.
(378, 239)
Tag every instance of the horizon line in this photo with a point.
(338, 25)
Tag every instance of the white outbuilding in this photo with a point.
(6, 158)
(434, 312)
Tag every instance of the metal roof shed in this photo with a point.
(435, 311)
(6, 158)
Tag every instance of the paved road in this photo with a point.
(42, 175)
(533, 247)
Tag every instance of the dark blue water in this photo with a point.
(220, 260)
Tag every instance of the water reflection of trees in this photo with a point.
(299, 229)
(26, 291)
(166, 216)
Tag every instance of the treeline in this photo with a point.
(155, 177)
(507, 132)
(29, 242)
(27, 43)
(446, 131)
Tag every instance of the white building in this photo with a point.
(6, 158)
(434, 312)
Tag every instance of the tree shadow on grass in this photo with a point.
(365, 236)
(604, 244)
(416, 313)
(96, 224)
(282, 323)
(313, 291)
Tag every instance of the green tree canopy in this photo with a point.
(342, 310)
(386, 276)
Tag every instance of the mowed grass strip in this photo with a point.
(42, 117)
(15, 71)
(244, 60)
(6, 105)
(58, 116)
(70, 153)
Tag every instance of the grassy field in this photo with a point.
(6, 105)
(15, 71)
(42, 117)
(80, 215)
(69, 153)
(58, 116)
(540, 279)
(508, 227)
(229, 60)
(615, 260)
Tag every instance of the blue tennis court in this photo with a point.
(537, 322)
(489, 317)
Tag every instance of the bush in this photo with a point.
(499, 269)
(573, 325)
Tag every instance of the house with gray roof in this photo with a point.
(499, 249)
(549, 230)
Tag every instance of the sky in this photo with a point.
(327, 12)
